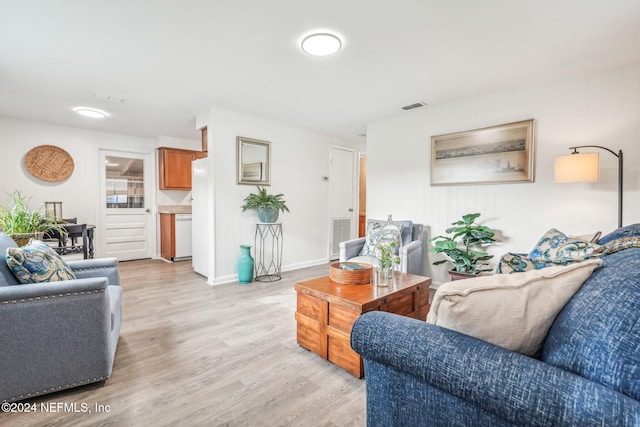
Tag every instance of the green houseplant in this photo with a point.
(460, 246)
(268, 206)
(21, 222)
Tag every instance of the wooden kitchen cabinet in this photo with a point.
(205, 144)
(174, 166)
(167, 236)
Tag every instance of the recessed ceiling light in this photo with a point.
(321, 44)
(90, 112)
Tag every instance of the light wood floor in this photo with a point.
(191, 354)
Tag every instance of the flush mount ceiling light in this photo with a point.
(321, 44)
(90, 112)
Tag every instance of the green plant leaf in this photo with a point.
(470, 218)
(16, 217)
(263, 199)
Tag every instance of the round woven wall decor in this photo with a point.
(49, 163)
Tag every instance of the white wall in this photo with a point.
(79, 193)
(299, 160)
(598, 109)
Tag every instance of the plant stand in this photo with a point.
(268, 259)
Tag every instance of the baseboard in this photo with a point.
(230, 278)
(305, 264)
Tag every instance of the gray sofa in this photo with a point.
(58, 335)
(411, 255)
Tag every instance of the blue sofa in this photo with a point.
(58, 335)
(588, 374)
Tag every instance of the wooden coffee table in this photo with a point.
(326, 312)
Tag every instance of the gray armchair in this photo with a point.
(410, 257)
(58, 335)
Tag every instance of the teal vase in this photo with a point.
(245, 264)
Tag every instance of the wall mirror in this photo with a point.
(254, 161)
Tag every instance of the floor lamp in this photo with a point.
(578, 167)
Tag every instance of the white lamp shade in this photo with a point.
(578, 168)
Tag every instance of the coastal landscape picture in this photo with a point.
(497, 154)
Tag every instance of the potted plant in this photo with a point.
(387, 258)
(22, 223)
(268, 206)
(460, 247)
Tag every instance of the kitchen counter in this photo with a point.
(174, 209)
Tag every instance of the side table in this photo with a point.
(268, 244)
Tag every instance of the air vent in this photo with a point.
(414, 106)
(340, 232)
(109, 98)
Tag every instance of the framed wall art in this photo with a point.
(492, 155)
(254, 161)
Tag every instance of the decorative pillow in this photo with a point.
(514, 311)
(373, 234)
(591, 237)
(632, 230)
(512, 262)
(36, 263)
(557, 248)
(619, 245)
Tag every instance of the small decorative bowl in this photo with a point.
(350, 273)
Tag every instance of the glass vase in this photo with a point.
(387, 252)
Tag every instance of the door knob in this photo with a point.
(147, 210)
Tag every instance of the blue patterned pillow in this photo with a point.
(558, 248)
(632, 230)
(514, 263)
(618, 245)
(36, 263)
(373, 234)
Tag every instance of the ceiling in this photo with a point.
(172, 59)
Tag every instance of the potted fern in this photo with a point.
(268, 206)
(461, 247)
(21, 222)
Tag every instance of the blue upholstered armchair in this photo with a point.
(419, 374)
(61, 334)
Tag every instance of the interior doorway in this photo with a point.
(342, 198)
(362, 195)
(126, 197)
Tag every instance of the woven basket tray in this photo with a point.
(350, 277)
(49, 163)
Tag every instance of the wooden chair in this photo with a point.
(69, 242)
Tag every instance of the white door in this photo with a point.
(126, 180)
(342, 215)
